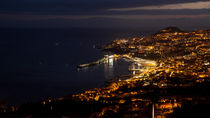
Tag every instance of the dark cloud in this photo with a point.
(58, 13)
(75, 6)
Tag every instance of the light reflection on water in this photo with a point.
(109, 68)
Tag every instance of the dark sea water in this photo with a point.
(39, 63)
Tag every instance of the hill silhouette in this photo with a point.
(169, 30)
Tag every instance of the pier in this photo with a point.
(91, 64)
(105, 58)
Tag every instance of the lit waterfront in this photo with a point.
(155, 78)
(170, 72)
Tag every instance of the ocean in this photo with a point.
(37, 64)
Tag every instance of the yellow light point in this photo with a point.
(133, 99)
(113, 87)
(194, 73)
(190, 99)
(134, 93)
(202, 76)
(122, 101)
(150, 47)
(115, 55)
(141, 91)
(167, 105)
(43, 102)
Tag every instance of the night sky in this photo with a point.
(104, 13)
